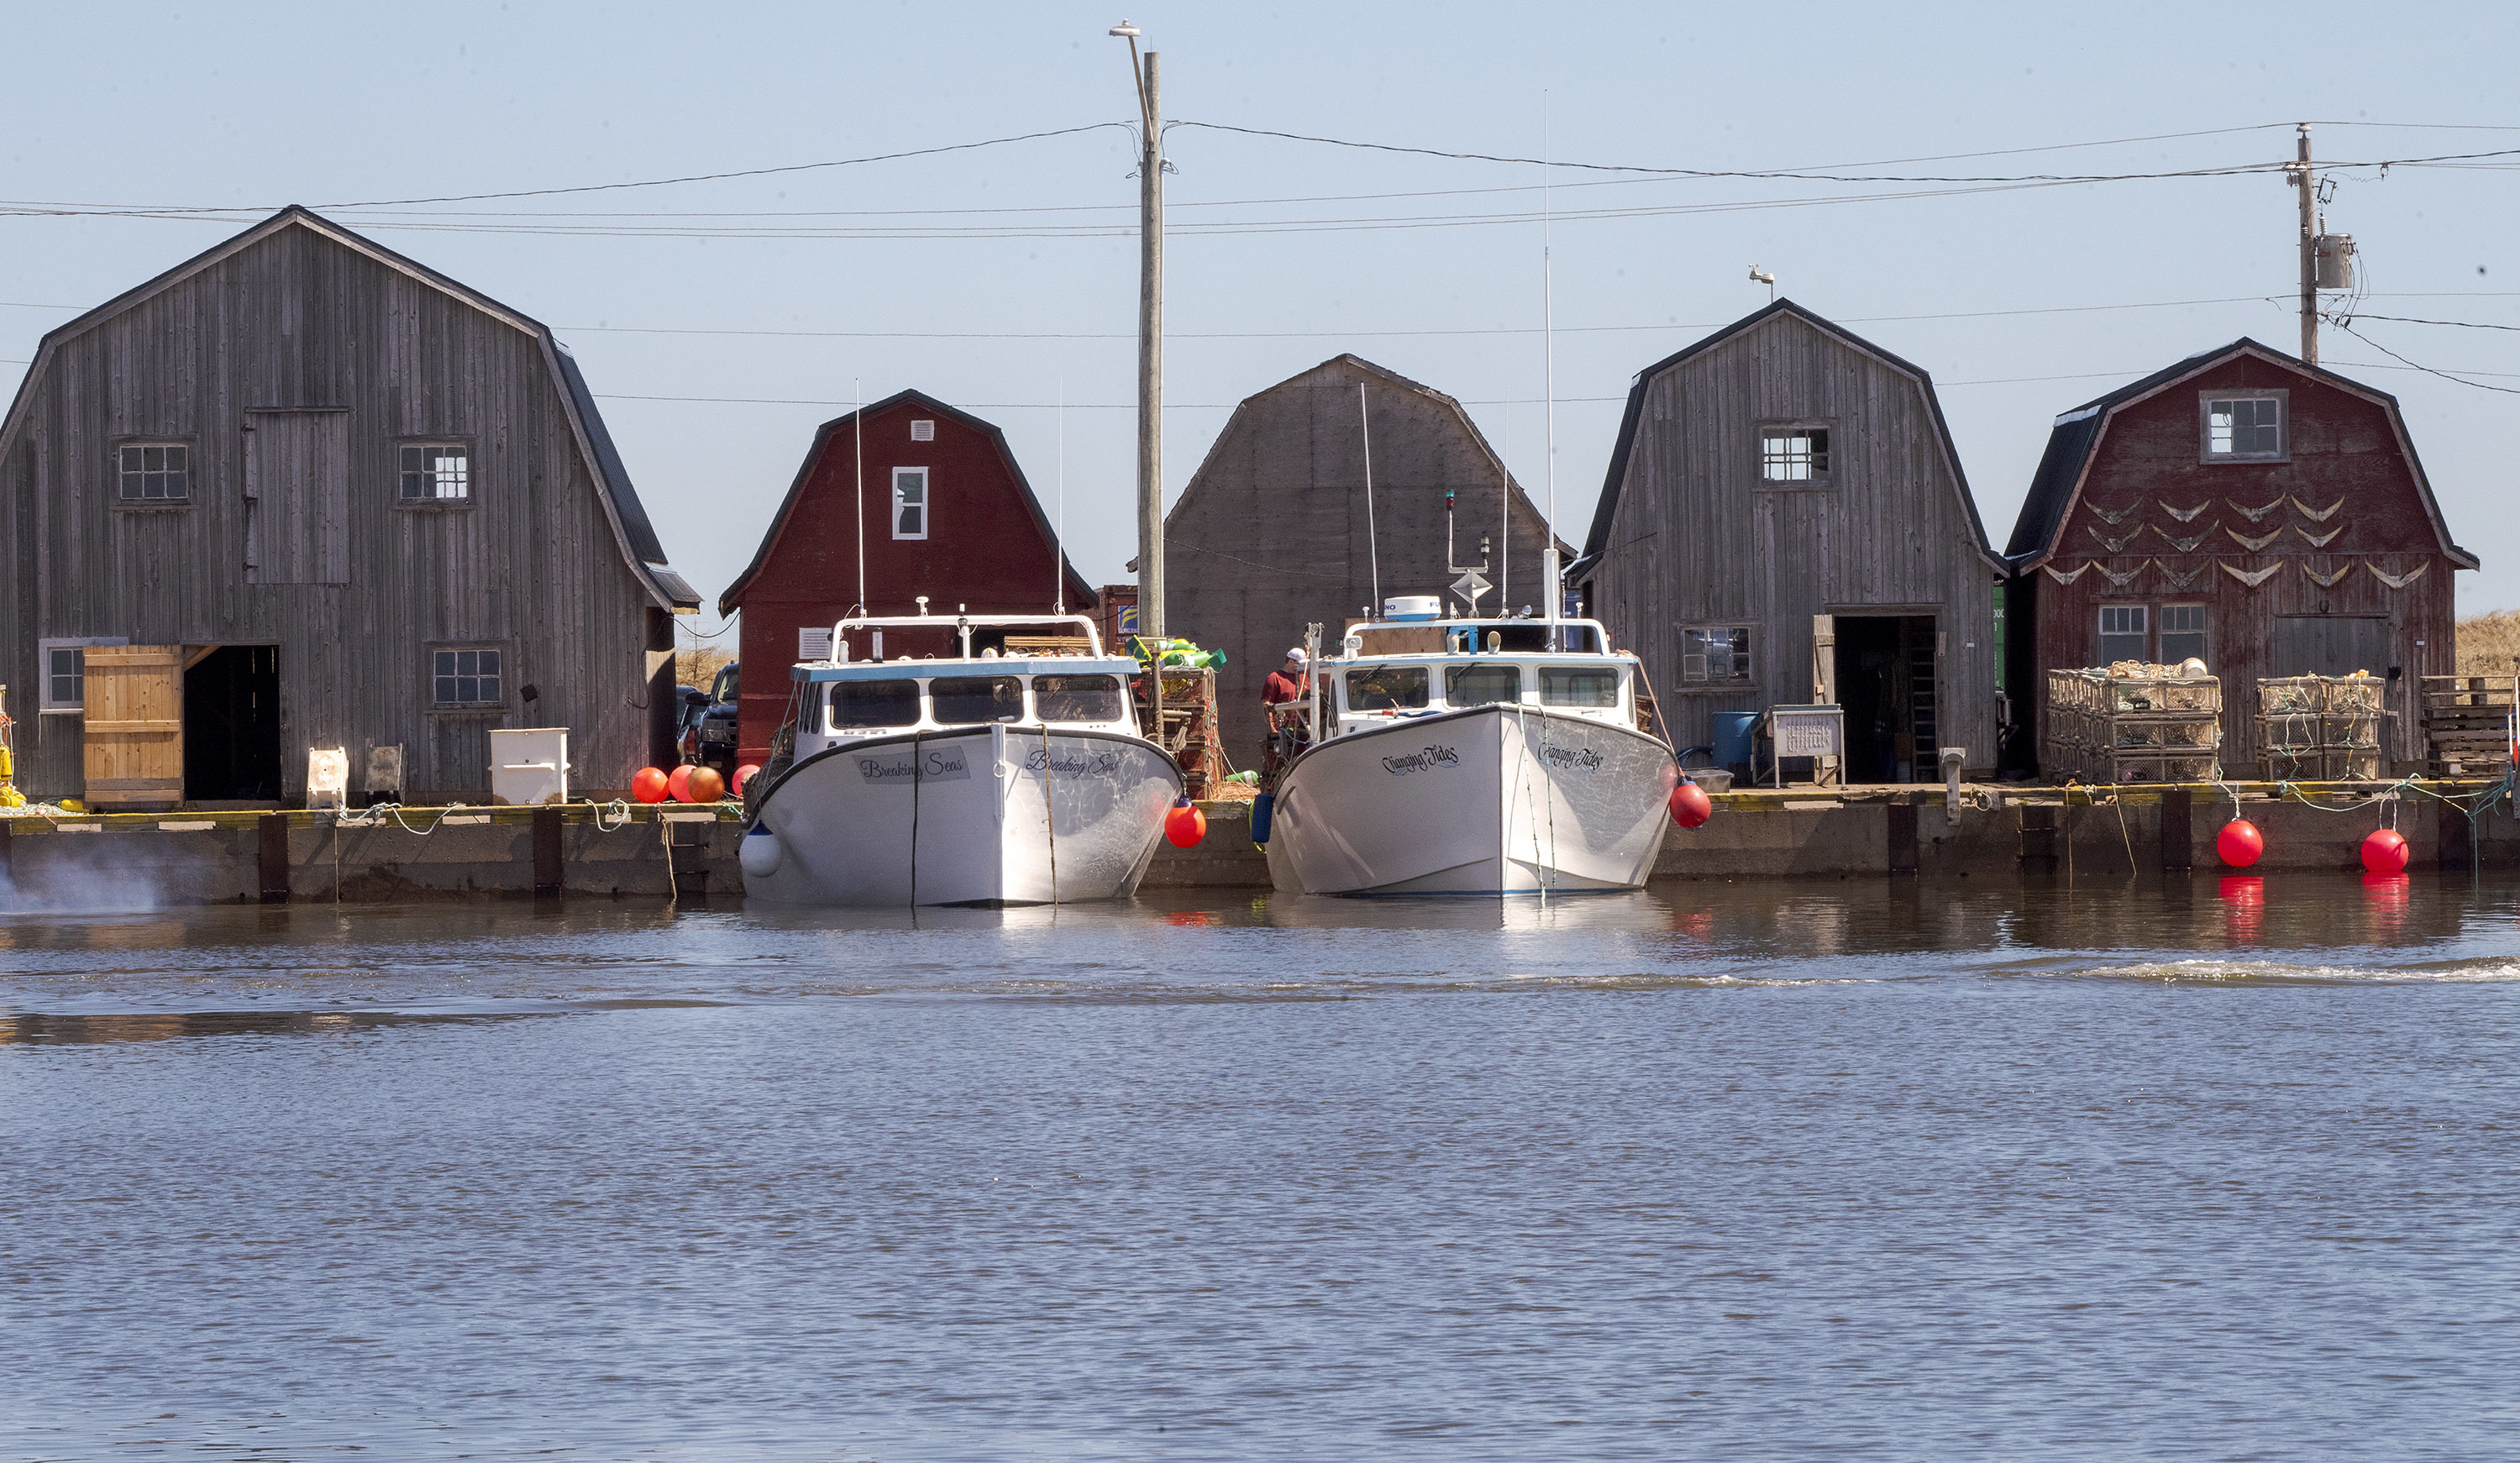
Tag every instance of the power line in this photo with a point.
(2426, 370)
(2472, 324)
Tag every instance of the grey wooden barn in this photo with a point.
(1784, 520)
(299, 493)
(1272, 532)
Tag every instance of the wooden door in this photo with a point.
(2330, 645)
(135, 728)
(298, 497)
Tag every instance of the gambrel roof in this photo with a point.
(2075, 438)
(632, 531)
(1614, 481)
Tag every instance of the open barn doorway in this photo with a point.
(231, 724)
(1885, 680)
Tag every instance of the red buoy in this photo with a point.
(2385, 851)
(648, 784)
(679, 782)
(706, 785)
(2239, 843)
(1690, 807)
(743, 776)
(1185, 826)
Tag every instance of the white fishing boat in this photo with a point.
(1471, 756)
(996, 777)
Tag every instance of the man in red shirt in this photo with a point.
(1287, 682)
(1281, 698)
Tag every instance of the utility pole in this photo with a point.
(1150, 335)
(2302, 180)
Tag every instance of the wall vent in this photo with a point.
(814, 642)
(922, 430)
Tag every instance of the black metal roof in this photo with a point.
(1597, 540)
(2076, 435)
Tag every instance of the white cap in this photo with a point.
(1296, 655)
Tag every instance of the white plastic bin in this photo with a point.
(530, 765)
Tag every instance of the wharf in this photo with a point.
(586, 850)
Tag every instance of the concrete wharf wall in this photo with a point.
(97, 862)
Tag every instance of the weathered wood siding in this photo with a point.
(1271, 533)
(2345, 447)
(1699, 539)
(299, 324)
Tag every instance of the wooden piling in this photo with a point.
(2038, 842)
(1903, 835)
(2177, 834)
(271, 856)
(548, 875)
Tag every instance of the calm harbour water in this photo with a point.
(1756, 1169)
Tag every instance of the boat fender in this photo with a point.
(1261, 808)
(760, 853)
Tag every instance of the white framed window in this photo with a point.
(1714, 654)
(2125, 633)
(2243, 429)
(2183, 632)
(923, 429)
(60, 664)
(909, 505)
(436, 472)
(152, 472)
(1797, 456)
(466, 677)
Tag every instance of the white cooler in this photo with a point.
(530, 765)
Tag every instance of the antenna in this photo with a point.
(857, 385)
(1373, 552)
(1549, 376)
(1059, 530)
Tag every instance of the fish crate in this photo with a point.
(2468, 724)
(1184, 724)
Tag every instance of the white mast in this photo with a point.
(1549, 381)
(858, 416)
(1059, 530)
(1373, 550)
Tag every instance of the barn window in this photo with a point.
(62, 664)
(1793, 454)
(436, 472)
(2126, 634)
(1715, 654)
(910, 503)
(2183, 632)
(156, 472)
(468, 677)
(922, 430)
(2244, 428)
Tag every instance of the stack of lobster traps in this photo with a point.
(2133, 723)
(2320, 728)
(2468, 727)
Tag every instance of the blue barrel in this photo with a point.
(1733, 738)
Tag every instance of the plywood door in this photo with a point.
(135, 726)
(298, 497)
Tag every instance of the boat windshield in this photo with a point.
(962, 700)
(1388, 688)
(1482, 684)
(1077, 699)
(865, 705)
(1594, 686)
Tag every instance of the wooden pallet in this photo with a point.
(2467, 722)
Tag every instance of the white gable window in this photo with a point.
(1794, 454)
(924, 430)
(909, 506)
(155, 471)
(436, 471)
(2244, 428)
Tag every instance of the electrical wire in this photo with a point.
(2426, 370)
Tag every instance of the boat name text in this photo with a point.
(1425, 759)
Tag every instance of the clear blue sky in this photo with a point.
(252, 107)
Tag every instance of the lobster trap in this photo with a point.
(2321, 728)
(2111, 726)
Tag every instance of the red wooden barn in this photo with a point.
(2243, 506)
(945, 512)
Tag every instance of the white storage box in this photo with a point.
(530, 765)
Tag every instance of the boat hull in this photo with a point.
(1491, 800)
(979, 816)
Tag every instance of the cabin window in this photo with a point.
(1715, 654)
(910, 503)
(2126, 634)
(1388, 688)
(1077, 699)
(867, 705)
(1482, 684)
(962, 700)
(436, 472)
(1793, 455)
(467, 677)
(156, 472)
(1592, 687)
(2244, 428)
(2183, 632)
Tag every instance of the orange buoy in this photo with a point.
(1690, 806)
(2385, 851)
(1185, 826)
(2239, 843)
(679, 782)
(648, 784)
(743, 776)
(706, 785)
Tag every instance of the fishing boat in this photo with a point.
(1470, 756)
(1012, 775)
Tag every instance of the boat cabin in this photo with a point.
(1074, 688)
(1392, 671)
